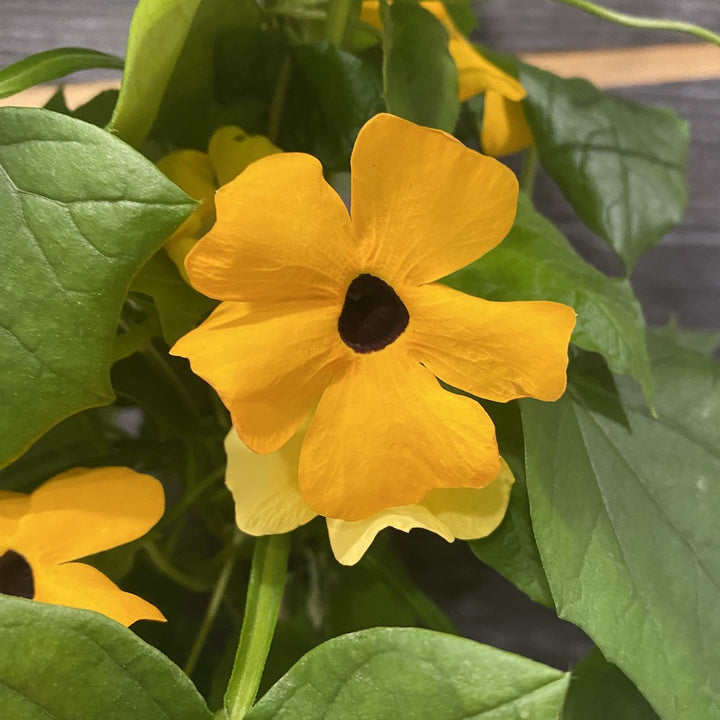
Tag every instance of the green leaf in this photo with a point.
(599, 691)
(80, 212)
(157, 35)
(63, 663)
(419, 75)
(50, 65)
(222, 77)
(331, 95)
(705, 342)
(535, 262)
(179, 306)
(626, 522)
(511, 548)
(389, 673)
(620, 164)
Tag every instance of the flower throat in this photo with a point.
(373, 315)
(16, 576)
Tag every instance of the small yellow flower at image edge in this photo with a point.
(337, 321)
(504, 128)
(200, 174)
(75, 514)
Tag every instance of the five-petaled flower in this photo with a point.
(77, 513)
(342, 319)
(504, 127)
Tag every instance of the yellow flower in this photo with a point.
(268, 501)
(321, 308)
(77, 513)
(504, 128)
(200, 174)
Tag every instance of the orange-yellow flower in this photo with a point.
(77, 513)
(200, 174)
(346, 314)
(504, 128)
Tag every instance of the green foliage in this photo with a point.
(157, 34)
(599, 691)
(388, 673)
(625, 520)
(222, 76)
(535, 262)
(50, 65)
(63, 663)
(331, 95)
(79, 213)
(179, 307)
(620, 164)
(417, 65)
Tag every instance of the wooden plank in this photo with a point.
(625, 67)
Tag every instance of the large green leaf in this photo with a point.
(419, 75)
(625, 517)
(80, 212)
(62, 663)
(620, 164)
(535, 262)
(50, 65)
(157, 35)
(390, 673)
(599, 691)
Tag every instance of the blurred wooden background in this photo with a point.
(681, 277)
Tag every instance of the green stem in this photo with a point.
(160, 364)
(214, 605)
(431, 616)
(336, 23)
(645, 23)
(192, 495)
(169, 570)
(528, 170)
(265, 591)
(277, 104)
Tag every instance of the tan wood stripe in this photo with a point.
(621, 67)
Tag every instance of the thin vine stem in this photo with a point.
(214, 604)
(336, 23)
(529, 170)
(277, 104)
(265, 590)
(169, 570)
(643, 23)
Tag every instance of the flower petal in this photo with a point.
(350, 540)
(265, 487)
(472, 513)
(84, 511)
(281, 233)
(423, 204)
(385, 433)
(451, 513)
(192, 171)
(13, 506)
(82, 586)
(495, 350)
(231, 150)
(269, 364)
(504, 129)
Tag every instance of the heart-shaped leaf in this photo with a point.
(620, 164)
(63, 663)
(625, 517)
(390, 673)
(80, 212)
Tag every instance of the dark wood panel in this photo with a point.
(532, 25)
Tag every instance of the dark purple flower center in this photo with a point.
(373, 315)
(16, 577)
